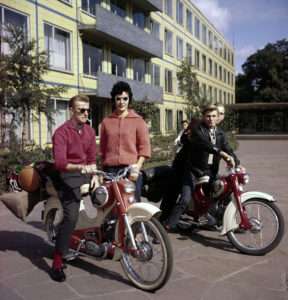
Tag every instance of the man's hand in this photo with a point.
(228, 159)
(94, 183)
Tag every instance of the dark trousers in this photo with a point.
(187, 189)
(139, 182)
(69, 194)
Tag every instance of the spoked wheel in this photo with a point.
(150, 267)
(53, 220)
(267, 228)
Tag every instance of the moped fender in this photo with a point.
(141, 211)
(229, 220)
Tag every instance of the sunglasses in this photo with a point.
(83, 110)
(122, 98)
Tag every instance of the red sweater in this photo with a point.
(123, 140)
(73, 146)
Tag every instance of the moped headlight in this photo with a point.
(129, 187)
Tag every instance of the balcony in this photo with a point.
(122, 35)
(141, 91)
(147, 6)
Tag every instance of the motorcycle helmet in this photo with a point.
(100, 196)
(29, 179)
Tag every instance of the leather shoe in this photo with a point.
(57, 274)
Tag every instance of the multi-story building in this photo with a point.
(94, 43)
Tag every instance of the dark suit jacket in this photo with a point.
(200, 146)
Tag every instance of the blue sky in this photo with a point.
(247, 24)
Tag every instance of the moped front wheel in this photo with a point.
(150, 267)
(267, 228)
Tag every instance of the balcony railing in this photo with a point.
(122, 35)
(141, 91)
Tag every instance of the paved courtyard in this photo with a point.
(206, 266)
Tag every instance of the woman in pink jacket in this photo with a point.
(124, 138)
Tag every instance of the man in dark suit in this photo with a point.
(206, 146)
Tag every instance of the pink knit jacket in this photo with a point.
(123, 140)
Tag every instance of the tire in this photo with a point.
(138, 269)
(52, 222)
(267, 228)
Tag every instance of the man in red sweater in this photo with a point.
(74, 150)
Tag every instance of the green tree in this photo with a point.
(22, 88)
(265, 77)
(189, 88)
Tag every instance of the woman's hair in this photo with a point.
(118, 88)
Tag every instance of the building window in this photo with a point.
(232, 59)
(197, 59)
(61, 115)
(139, 69)
(92, 59)
(189, 54)
(204, 66)
(168, 8)
(155, 121)
(220, 96)
(119, 64)
(179, 12)
(224, 75)
(210, 67)
(168, 42)
(10, 17)
(221, 48)
(139, 18)
(210, 39)
(180, 54)
(155, 29)
(57, 44)
(197, 28)
(215, 70)
(232, 80)
(204, 34)
(168, 119)
(179, 120)
(210, 93)
(224, 97)
(220, 73)
(155, 75)
(90, 6)
(118, 7)
(204, 90)
(215, 44)
(215, 95)
(228, 98)
(168, 81)
(189, 21)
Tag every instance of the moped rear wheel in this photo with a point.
(151, 266)
(267, 228)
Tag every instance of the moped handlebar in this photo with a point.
(106, 175)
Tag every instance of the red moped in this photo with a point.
(129, 230)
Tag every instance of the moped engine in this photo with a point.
(94, 249)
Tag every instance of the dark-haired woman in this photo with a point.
(124, 137)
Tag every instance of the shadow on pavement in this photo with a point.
(36, 249)
(28, 245)
(217, 243)
(94, 269)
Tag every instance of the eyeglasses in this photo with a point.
(83, 110)
(122, 98)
